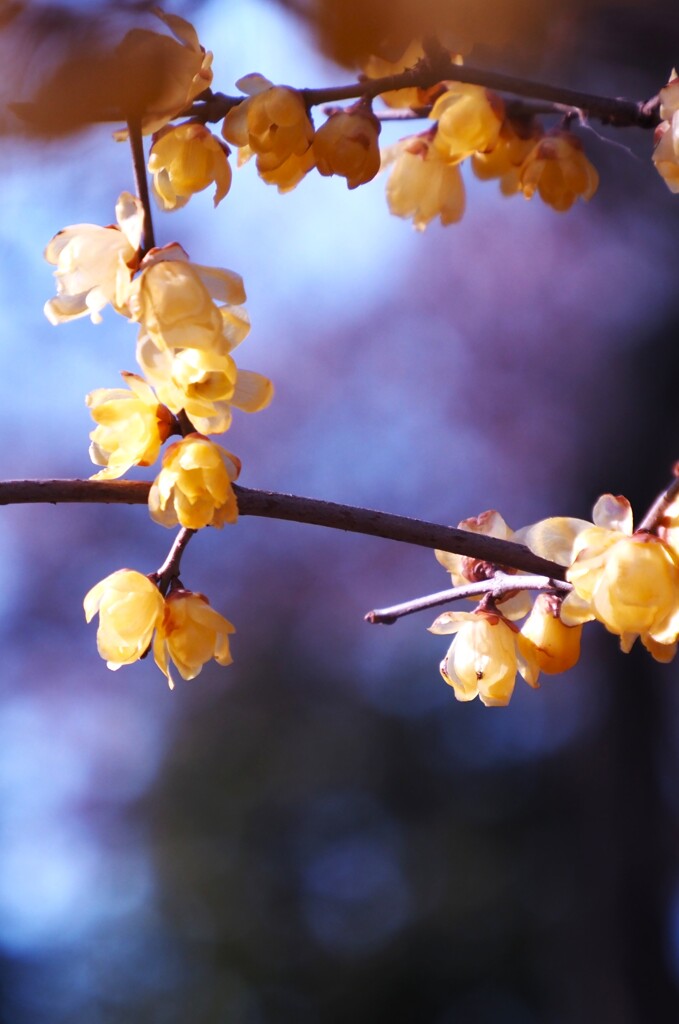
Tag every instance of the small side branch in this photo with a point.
(497, 587)
(141, 181)
(169, 570)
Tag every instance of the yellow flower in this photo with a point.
(204, 382)
(347, 145)
(666, 152)
(194, 486)
(378, 67)
(469, 120)
(422, 184)
(173, 300)
(272, 123)
(559, 171)
(132, 427)
(186, 159)
(627, 581)
(180, 65)
(504, 160)
(556, 647)
(484, 657)
(94, 264)
(191, 633)
(130, 607)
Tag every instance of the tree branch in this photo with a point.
(273, 505)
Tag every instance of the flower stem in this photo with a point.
(169, 570)
(141, 181)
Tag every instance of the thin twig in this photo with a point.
(169, 570)
(312, 511)
(141, 181)
(497, 586)
(653, 518)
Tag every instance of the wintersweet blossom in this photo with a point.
(379, 67)
(130, 608)
(185, 159)
(469, 120)
(628, 581)
(505, 159)
(95, 264)
(190, 634)
(205, 383)
(182, 65)
(193, 488)
(485, 656)
(423, 184)
(175, 301)
(347, 145)
(272, 123)
(666, 152)
(132, 426)
(559, 171)
(556, 645)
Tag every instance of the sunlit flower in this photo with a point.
(469, 120)
(186, 159)
(205, 383)
(504, 160)
(130, 607)
(484, 657)
(465, 569)
(628, 581)
(666, 152)
(181, 64)
(132, 427)
(556, 646)
(378, 67)
(193, 488)
(272, 123)
(422, 184)
(190, 634)
(347, 145)
(95, 264)
(174, 300)
(559, 171)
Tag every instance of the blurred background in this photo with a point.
(320, 832)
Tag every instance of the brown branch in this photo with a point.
(169, 570)
(653, 518)
(496, 587)
(273, 505)
(141, 181)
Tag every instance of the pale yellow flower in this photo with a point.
(130, 607)
(627, 581)
(666, 152)
(95, 264)
(132, 427)
(469, 120)
(484, 657)
(379, 67)
(181, 64)
(556, 647)
(174, 300)
(186, 159)
(422, 184)
(506, 157)
(347, 145)
(559, 171)
(190, 634)
(272, 123)
(193, 488)
(205, 383)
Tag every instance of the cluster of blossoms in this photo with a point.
(190, 320)
(625, 579)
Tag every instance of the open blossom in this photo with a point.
(505, 159)
(628, 581)
(130, 608)
(190, 634)
(175, 300)
(95, 264)
(469, 120)
(272, 123)
(132, 426)
(423, 184)
(485, 656)
(178, 61)
(559, 171)
(205, 383)
(556, 645)
(193, 488)
(186, 159)
(347, 145)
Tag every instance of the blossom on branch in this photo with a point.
(190, 634)
(347, 145)
(130, 608)
(423, 184)
(556, 645)
(558, 170)
(666, 152)
(185, 159)
(95, 264)
(132, 426)
(193, 488)
(504, 161)
(469, 119)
